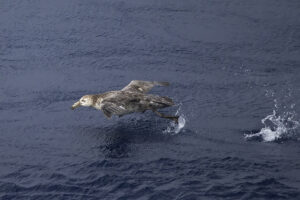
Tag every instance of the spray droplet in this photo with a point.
(276, 127)
(174, 128)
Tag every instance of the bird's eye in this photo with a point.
(82, 101)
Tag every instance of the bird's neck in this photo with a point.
(97, 98)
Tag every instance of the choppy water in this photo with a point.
(234, 70)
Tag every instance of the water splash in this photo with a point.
(277, 126)
(174, 128)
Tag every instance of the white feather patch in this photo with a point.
(122, 107)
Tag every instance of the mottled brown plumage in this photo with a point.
(132, 98)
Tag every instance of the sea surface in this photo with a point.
(234, 73)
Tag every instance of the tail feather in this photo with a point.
(159, 101)
(168, 101)
(163, 102)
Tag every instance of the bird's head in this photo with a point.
(86, 100)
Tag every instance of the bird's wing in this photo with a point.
(142, 86)
(110, 108)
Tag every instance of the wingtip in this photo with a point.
(163, 83)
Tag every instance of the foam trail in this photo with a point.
(174, 128)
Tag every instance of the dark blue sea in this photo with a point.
(234, 73)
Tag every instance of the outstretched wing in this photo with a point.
(110, 109)
(142, 86)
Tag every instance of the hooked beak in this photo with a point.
(75, 105)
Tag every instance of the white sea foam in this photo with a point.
(174, 128)
(277, 126)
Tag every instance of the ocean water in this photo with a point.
(234, 70)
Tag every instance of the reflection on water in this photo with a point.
(120, 137)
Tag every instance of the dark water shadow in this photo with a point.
(120, 139)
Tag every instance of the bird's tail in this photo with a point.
(167, 101)
(161, 102)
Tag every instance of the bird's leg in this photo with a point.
(175, 118)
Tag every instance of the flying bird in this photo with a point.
(132, 98)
